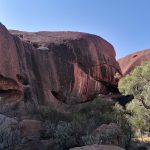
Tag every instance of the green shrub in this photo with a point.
(64, 135)
(75, 128)
(100, 111)
(50, 113)
(137, 83)
(122, 119)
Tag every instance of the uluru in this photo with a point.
(71, 75)
(129, 62)
(51, 66)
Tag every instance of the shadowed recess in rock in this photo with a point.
(9, 89)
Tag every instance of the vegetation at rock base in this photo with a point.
(137, 83)
(100, 121)
(67, 130)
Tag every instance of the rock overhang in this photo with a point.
(67, 65)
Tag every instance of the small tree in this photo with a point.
(137, 83)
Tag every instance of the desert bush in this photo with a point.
(63, 134)
(118, 131)
(75, 128)
(72, 98)
(68, 133)
(100, 111)
(9, 133)
(105, 134)
(122, 118)
(50, 113)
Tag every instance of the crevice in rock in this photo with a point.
(22, 79)
(9, 89)
(10, 94)
(56, 95)
(134, 56)
(35, 45)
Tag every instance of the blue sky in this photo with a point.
(124, 23)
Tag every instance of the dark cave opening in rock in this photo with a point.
(9, 89)
(22, 79)
(56, 95)
(134, 56)
(36, 45)
(10, 94)
(4, 93)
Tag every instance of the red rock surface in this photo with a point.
(45, 66)
(128, 63)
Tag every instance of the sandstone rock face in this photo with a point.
(9, 67)
(45, 67)
(98, 147)
(128, 63)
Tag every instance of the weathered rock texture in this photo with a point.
(128, 63)
(45, 66)
(98, 147)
